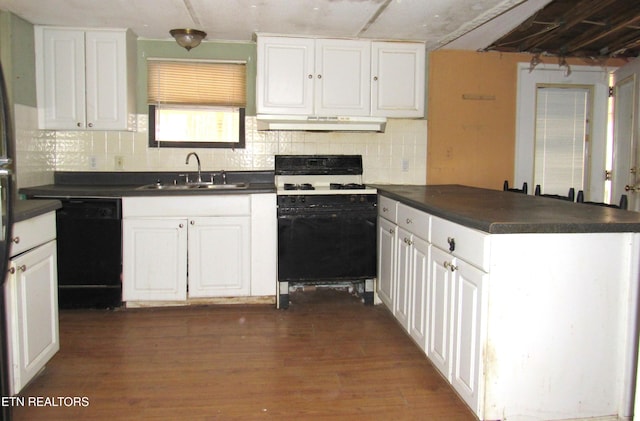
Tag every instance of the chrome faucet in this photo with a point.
(197, 159)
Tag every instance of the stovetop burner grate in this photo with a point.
(346, 186)
(302, 186)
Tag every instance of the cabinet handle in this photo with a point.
(319, 76)
(375, 78)
(450, 266)
(452, 243)
(409, 221)
(90, 124)
(407, 241)
(192, 222)
(310, 76)
(15, 240)
(181, 226)
(385, 210)
(22, 268)
(79, 124)
(391, 231)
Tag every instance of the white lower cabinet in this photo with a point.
(154, 260)
(198, 247)
(420, 252)
(436, 296)
(455, 322)
(31, 298)
(219, 256)
(387, 246)
(403, 282)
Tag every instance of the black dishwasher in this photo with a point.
(89, 233)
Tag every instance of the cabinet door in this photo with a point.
(387, 244)
(219, 256)
(467, 321)
(418, 295)
(154, 259)
(342, 79)
(401, 299)
(106, 80)
(441, 288)
(32, 313)
(60, 78)
(285, 76)
(398, 78)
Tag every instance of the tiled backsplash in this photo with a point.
(397, 156)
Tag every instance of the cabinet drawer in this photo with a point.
(388, 208)
(181, 206)
(468, 244)
(415, 221)
(32, 232)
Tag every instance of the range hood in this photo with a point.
(325, 124)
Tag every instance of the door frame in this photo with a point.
(528, 81)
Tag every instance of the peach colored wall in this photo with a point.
(472, 141)
(471, 122)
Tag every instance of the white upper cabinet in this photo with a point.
(85, 79)
(398, 78)
(342, 78)
(285, 75)
(339, 77)
(303, 76)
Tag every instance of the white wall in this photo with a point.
(40, 152)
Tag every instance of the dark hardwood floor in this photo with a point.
(327, 357)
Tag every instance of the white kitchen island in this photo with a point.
(526, 305)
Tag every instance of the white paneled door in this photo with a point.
(626, 154)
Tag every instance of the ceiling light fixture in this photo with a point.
(188, 38)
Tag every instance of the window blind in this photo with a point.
(196, 83)
(560, 138)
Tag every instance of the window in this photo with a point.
(196, 103)
(561, 135)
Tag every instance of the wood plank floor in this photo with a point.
(327, 357)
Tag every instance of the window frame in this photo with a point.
(153, 142)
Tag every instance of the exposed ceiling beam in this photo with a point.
(569, 20)
(597, 34)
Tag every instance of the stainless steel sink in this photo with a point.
(191, 186)
(220, 186)
(159, 186)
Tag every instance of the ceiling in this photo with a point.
(557, 27)
(436, 22)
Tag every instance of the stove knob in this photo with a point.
(303, 199)
(352, 199)
(362, 199)
(292, 199)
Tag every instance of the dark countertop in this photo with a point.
(92, 190)
(25, 209)
(499, 212)
(122, 184)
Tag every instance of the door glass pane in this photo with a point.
(560, 138)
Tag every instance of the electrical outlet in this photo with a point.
(119, 162)
(405, 164)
